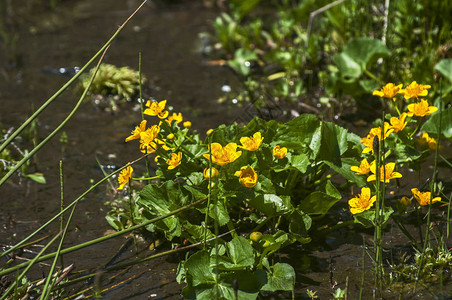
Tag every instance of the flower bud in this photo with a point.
(255, 236)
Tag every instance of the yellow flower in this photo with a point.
(156, 109)
(135, 134)
(223, 155)
(251, 143)
(363, 168)
(368, 141)
(420, 109)
(363, 202)
(398, 124)
(386, 173)
(174, 160)
(124, 177)
(214, 171)
(247, 176)
(426, 140)
(390, 90)
(147, 137)
(170, 136)
(279, 152)
(209, 132)
(175, 117)
(414, 90)
(152, 146)
(424, 198)
(187, 124)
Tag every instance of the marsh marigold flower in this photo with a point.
(223, 155)
(390, 90)
(415, 90)
(124, 177)
(420, 109)
(369, 139)
(279, 152)
(386, 173)
(135, 134)
(424, 197)
(187, 124)
(156, 109)
(362, 202)
(426, 140)
(207, 172)
(247, 176)
(363, 168)
(398, 124)
(175, 117)
(147, 138)
(209, 132)
(174, 160)
(251, 143)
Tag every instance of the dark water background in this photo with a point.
(168, 38)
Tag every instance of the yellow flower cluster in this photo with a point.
(396, 124)
(413, 90)
(221, 156)
(149, 138)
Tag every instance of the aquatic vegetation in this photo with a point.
(112, 85)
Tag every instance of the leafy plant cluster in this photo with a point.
(257, 194)
(332, 52)
(263, 182)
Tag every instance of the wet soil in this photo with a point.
(172, 60)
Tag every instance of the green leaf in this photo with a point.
(242, 7)
(241, 60)
(320, 202)
(349, 69)
(445, 68)
(344, 170)
(299, 222)
(432, 124)
(333, 142)
(281, 278)
(198, 267)
(365, 50)
(367, 218)
(160, 200)
(301, 162)
(271, 204)
(240, 255)
(38, 177)
(197, 231)
(297, 134)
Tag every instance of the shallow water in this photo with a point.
(167, 37)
